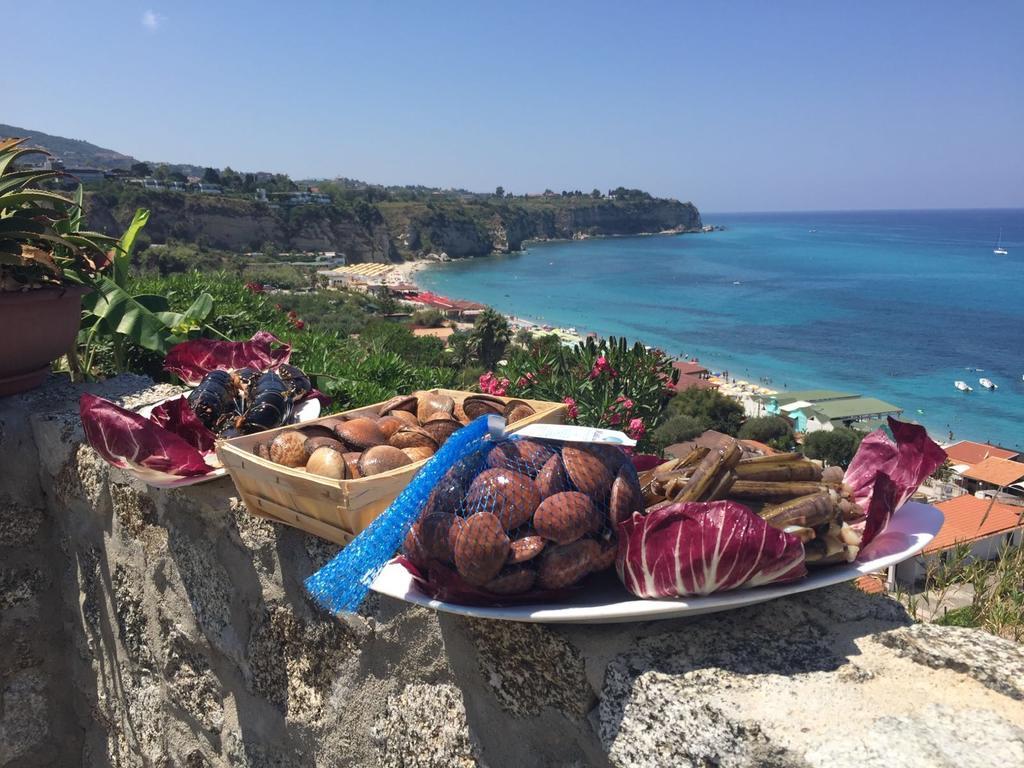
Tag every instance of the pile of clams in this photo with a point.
(404, 430)
(526, 515)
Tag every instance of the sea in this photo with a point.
(890, 304)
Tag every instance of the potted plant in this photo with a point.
(46, 266)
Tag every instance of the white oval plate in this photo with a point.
(606, 601)
(308, 410)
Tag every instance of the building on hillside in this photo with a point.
(981, 525)
(969, 453)
(993, 476)
(358, 276)
(813, 410)
(208, 189)
(691, 374)
(87, 175)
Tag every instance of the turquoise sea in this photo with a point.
(892, 304)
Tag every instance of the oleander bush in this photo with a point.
(605, 383)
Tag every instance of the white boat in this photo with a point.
(962, 386)
(987, 383)
(999, 250)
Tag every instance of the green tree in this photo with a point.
(141, 169)
(462, 348)
(428, 318)
(775, 431)
(210, 176)
(710, 407)
(523, 337)
(676, 429)
(944, 472)
(491, 335)
(596, 194)
(836, 447)
(499, 192)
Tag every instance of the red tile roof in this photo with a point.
(689, 367)
(964, 516)
(871, 584)
(967, 452)
(687, 381)
(1000, 472)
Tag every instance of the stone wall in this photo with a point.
(169, 627)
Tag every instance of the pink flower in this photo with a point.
(601, 365)
(570, 408)
(299, 324)
(636, 428)
(522, 381)
(615, 419)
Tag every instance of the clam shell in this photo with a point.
(604, 557)
(526, 548)
(398, 403)
(481, 548)
(289, 448)
(419, 453)
(390, 424)
(381, 458)
(512, 580)
(562, 566)
(516, 410)
(439, 533)
(566, 517)
(262, 449)
(510, 496)
(475, 406)
(317, 430)
(428, 403)
(588, 471)
(440, 429)
(626, 497)
(406, 417)
(552, 478)
(360, 433)
(312, 443)
(412, 437)
(412, 547)
(352, 463)
(526, 456)
(328, 463)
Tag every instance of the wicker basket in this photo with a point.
(335, 510)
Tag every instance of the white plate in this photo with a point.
(307, 410)
(605, 600)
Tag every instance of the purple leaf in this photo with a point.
(904, 464)
(127, 440)
(191, 360)
(176, 416)
(697, 548)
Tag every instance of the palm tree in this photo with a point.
(491, 334)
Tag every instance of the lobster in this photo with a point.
(212, 400)
(269, 404)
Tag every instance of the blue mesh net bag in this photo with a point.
(521, 519)
(494, 520)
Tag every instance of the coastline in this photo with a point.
(737, 388)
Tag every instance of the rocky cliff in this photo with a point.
(385, 231)
(145, 627)
(246, 225)
(479, 229)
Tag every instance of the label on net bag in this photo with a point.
(573, 434)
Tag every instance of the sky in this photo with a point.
(737, 106)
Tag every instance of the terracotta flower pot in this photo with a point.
(36, 327)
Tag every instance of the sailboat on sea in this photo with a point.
(999, 250)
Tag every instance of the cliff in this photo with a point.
(235, 224)
(482, 228)
(169, 627)
(384, 231)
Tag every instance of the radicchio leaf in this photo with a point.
(696, 548)
(191, 360)
(176, 416)
(903, 464)
(127, 440)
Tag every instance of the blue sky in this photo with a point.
(738, 106)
